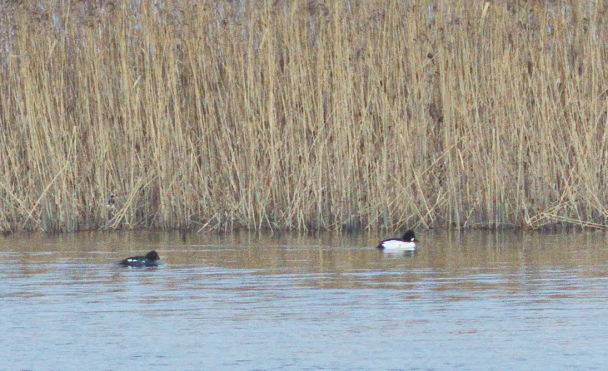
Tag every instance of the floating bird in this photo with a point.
(150, 260)
(406, 243)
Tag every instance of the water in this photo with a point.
(471, 301)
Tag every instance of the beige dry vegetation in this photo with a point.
(218, 115)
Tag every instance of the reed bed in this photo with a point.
(341, 115)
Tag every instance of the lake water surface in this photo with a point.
(464, 301)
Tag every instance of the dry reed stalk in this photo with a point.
(291, 115)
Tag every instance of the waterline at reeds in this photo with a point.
(219, 115)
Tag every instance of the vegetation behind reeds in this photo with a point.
(302, 115)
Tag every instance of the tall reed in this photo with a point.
(302, 115)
